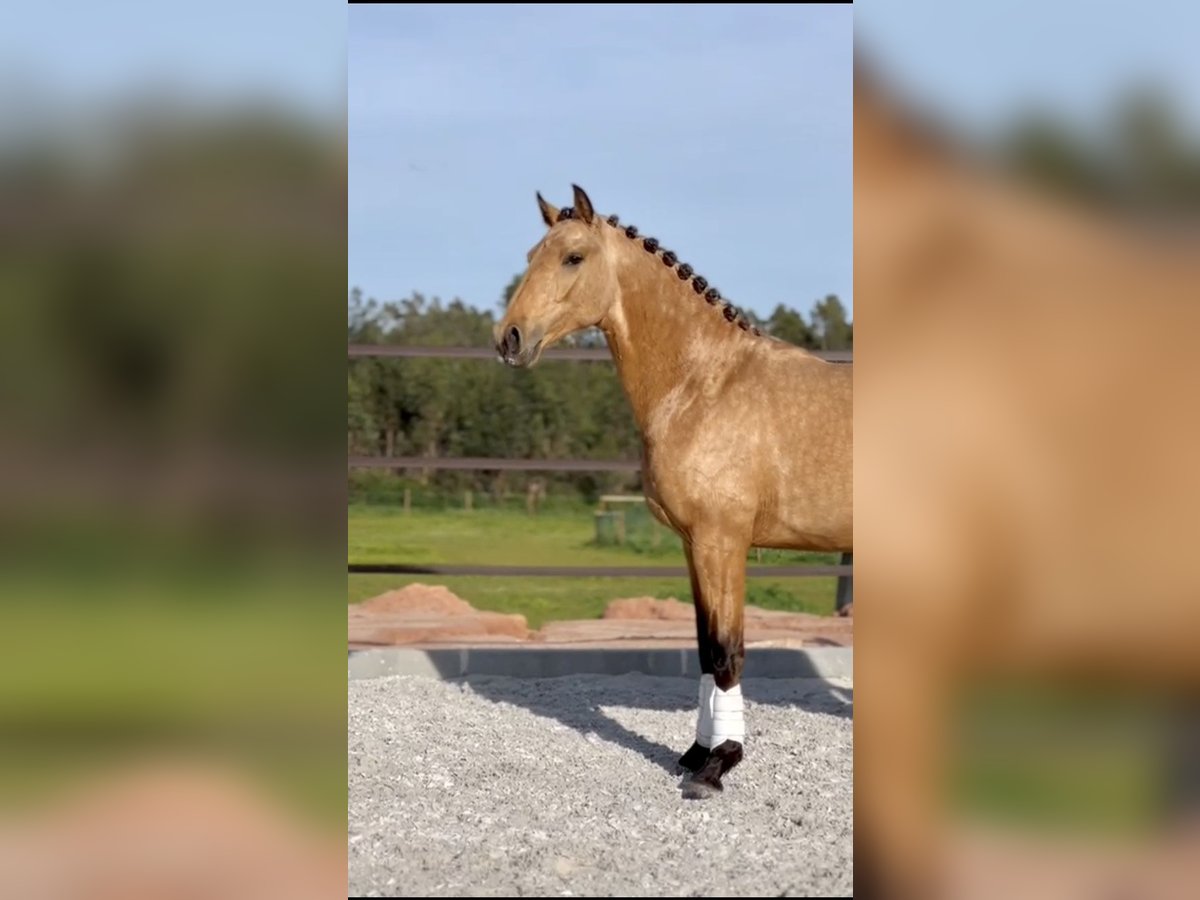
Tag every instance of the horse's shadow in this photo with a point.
(774, 676)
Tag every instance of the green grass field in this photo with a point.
(559, 538)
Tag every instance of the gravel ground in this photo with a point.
(567, 787)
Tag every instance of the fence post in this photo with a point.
(534, 494)
(407, 501)
(845, 588)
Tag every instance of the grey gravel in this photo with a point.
(567, 787)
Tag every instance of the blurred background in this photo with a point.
(172, 226)
(1027, 287)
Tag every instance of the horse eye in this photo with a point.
(573, 260)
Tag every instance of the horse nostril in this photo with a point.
(512, 339)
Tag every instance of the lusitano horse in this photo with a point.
(746, 439)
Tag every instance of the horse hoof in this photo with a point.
(706, 781)
(696, 788)
(695, 757)
(722, 758)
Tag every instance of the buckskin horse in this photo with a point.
(746, 440)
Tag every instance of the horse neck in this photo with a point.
(660, 331)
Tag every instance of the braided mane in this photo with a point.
(683, 270)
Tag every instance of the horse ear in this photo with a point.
(549, 213)
(583, 206)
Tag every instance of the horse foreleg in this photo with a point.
(718, 573)
(697, 754)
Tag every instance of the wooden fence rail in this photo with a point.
(588, 571)
(493, 463)
(594, 354)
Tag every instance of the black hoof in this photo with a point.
(700, 790)
(694, 758)
(705, 782)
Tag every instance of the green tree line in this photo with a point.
(1142, 157)
(450, 407)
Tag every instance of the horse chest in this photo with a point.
(685, 484)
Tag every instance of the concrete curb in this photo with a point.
(523, 662)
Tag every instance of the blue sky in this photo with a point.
(220, 51)
(980, 64)
(723, 131)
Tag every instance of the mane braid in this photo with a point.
(685, 272)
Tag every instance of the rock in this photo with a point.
(419, 598)
(428, 614)
(649, 608)
(432, 614)
(650, 618)
(582, 631)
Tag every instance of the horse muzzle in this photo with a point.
(514, 350)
